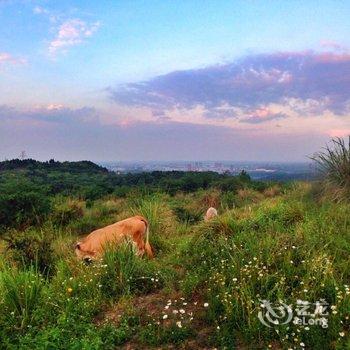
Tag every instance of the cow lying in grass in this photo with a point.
(210, 214)
(134, 228)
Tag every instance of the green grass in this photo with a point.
(204, 287)
(334, 165)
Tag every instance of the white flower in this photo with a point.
(302, 344)
(206, 304)
(182, 311)
(178, 323)
(175, 312)
(165, 317)
(342, 334)
(166, 307)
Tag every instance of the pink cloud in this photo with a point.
(6, 58)
(339, 132)
(330, 57)
(71, 33)
(262, 114)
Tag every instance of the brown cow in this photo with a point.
(135, 228)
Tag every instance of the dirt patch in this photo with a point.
(166, 310)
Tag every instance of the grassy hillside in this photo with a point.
(204, 289)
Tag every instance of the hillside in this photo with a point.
(208, 283)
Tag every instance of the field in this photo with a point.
(210, 283)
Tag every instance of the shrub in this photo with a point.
(31, 248)
(67, 211)
(22, 203)
(334, 164)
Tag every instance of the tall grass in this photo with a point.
(160, 218)
(21, 293)
(283, 251)
(125, 273)
(334, 164)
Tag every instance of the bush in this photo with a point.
(31, 248)
(22, 203)
(67, 211)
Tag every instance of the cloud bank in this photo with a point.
(306, 82)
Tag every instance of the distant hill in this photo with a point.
(88, 180)
(52, 165)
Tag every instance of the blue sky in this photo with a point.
(129, 80)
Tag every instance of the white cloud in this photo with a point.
(70, 33)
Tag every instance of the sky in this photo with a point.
(173, 80)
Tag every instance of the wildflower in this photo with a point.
(69, 290)
(342, 334)
(175, 312)
(206, 304)
(182, 311)
(166, 307)
(178, 323)
(302, 344)
(165, 317)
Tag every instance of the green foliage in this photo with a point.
(21, 293)
(31, 248)
(282, 250)
(186, 215)
(155, 335)
(126, 273)
(159, 216)
(66, 211)
(22, 203)
(269, 241)
(334, 164)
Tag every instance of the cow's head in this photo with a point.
(83, 254)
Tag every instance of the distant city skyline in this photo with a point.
(173, 80)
